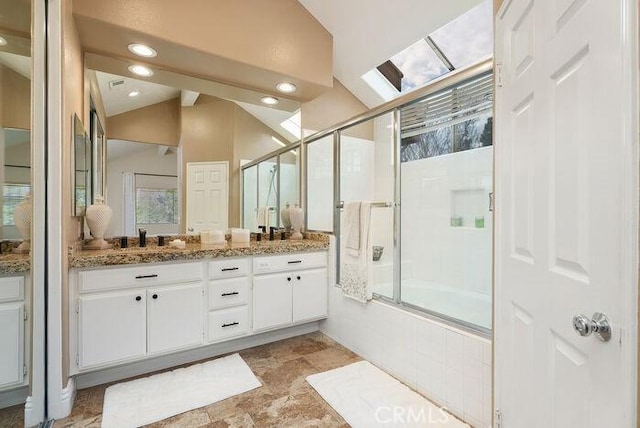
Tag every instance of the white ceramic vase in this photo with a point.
(98, 217)
(22, 220)
(285, 215)
(297, 221)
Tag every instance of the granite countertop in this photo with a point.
(14, 263)
(193, 251)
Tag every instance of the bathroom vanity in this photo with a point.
(134, 305)
(15, 298)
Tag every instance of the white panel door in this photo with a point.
(310, 294)
(174, 317)
(11, 344)
(272, 300)
(207, 196)
(112, 327)
(566, 212)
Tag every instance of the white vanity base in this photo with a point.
(86, 380)
(13, 397)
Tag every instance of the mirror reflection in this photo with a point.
(160, 139)
(15, 231)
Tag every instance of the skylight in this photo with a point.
(466, 40)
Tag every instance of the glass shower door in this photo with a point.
(367, 174)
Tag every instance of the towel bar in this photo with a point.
(373, 204)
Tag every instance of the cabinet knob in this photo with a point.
(298, 277)
(155, 296)
(288, 278)
(138, 298)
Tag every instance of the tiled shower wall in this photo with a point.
(448, 366)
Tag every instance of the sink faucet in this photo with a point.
(143, 237)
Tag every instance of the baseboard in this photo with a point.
(13, 397)
(86, 380)
(67, 396)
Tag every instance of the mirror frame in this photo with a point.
(81, 150)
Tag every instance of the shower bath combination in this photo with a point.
(265, 212)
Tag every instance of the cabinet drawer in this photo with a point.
(224, 293)
(124, 277)
(11, 289)
(226, 323)
(287, 262)
(228, 268)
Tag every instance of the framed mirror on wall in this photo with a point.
(82, 168)
(98, 147)
(22, 181)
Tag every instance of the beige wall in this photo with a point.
(207, 135)
(333, 107)
(15, 93)
(73, 102)
(157, 124)
(92, 91)
(496, 5)
(218, 130)
(250, 43)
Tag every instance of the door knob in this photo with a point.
(598, 324)
(190, 229)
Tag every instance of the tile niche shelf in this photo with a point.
(469, 209)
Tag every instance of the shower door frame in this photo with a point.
(394, 106)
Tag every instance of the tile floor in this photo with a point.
(284, 400)
(12, 417)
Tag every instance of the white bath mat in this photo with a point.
(365, 396)
(151, 399)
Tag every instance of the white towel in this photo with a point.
(262, 218)
(352, 225)
(355, 266)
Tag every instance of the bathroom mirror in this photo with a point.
(21, 372)
(98, 148)
(82, 167)
(142, 183)
(171, 125)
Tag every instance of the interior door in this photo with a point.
(566, 212)
(207, 196)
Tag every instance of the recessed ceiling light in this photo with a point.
(142, 50)
(134, 93)
(270, 100)
(141, 70)
(3, 41)
(286, 87)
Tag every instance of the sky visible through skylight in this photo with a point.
(464, 41)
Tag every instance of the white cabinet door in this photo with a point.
(112, 327)
(11, 344)
(175, 317)
(272, 300)
(309, 294)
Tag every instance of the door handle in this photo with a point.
(190, 229)
(598, 324)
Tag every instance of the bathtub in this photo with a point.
(467, 306)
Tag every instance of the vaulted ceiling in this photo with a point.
(368, 32)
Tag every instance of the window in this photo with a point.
(12, 195)
(156, 199)
(156, 206)
(453, 120)
(466, 40)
